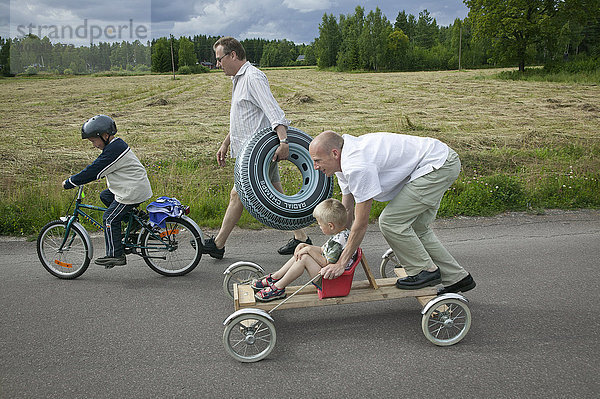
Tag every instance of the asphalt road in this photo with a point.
(131, 333)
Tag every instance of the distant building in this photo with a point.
(300, 58)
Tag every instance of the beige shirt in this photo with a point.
(253, 107)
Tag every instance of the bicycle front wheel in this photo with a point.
(174, 250)
(72, 259)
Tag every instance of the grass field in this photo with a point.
(524, 145)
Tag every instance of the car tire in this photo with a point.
(259, 196)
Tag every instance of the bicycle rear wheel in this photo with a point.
(73, 259)
(388, 264)
(174, 250)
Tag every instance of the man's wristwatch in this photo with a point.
(284, 141)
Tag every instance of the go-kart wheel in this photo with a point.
(446, 322)
(388, 264)
(242, 274)
(249, 337)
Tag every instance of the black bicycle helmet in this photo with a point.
(97, 125)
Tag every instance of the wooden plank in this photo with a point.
(400, 272)
(368, 272)
(424, 299)
(309, 289)
(236, 297)
(366, 294)
(246, 296)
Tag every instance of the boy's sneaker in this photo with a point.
(290, 247)
(110, 261)
(268, 281)
(211, 249)
(270, 294)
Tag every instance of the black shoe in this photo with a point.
(423, 279)
(211, 249)
(463, 285)
(111, 261)
(290, 247)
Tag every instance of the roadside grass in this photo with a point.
(581, 70)
(524, 145)
(537, 75)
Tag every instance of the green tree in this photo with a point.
(279, 53)
(26, 52)
(203, 47)
(576, 27)
(5, 56)
(120, 55)
(328, 45)
(513, 25)
(187, 56)
(398, 45)
(254, 49)
(407, 24)
(270, 55)
(141, 53)
(161, 55)
(310, 57)
(348, 57)
(426, 30)
(373, 41)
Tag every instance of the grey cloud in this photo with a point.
(269, 19)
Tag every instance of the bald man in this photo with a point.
(410, 172)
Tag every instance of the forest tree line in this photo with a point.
(495, 33)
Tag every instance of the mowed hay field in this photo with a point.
(530, 131)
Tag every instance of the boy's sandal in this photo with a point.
(263, 283)
(270, 294)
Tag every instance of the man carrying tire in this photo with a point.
(253, 107)
(410, 172)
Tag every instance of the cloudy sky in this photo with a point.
(82, 21)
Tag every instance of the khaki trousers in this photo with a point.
(405, 223)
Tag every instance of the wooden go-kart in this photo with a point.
(250, 332)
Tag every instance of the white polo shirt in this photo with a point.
(378, 165)
(253, 107)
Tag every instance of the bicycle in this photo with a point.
(65, 249)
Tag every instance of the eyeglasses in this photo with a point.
(221, 57)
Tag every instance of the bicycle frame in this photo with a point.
(79, 212)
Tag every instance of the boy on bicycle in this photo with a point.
(126, 178)
(331, 215)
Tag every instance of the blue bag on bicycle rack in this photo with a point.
(162, 208)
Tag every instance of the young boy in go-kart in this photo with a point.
(331, 216)
(126, 177)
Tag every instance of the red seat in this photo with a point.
(341, 285)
